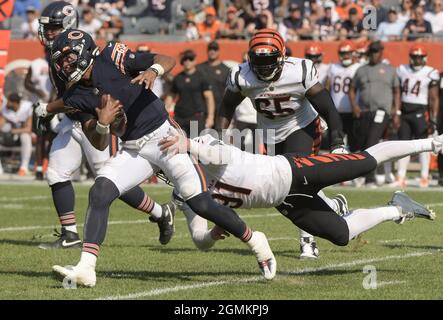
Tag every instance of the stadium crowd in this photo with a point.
(239, 19)
(196, 92)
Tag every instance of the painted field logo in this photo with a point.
(370, 281)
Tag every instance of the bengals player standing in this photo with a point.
(419, 107)
(314, 52)
(288, 98)
(338, 81)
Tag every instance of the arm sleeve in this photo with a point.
(136, 62)
(210, 151)
(83, 100)
(82, 117)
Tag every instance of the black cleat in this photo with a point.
(342, 205)
(66, 240)
(410, 208)
(166, 224)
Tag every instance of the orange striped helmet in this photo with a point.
(418, 56)
(346, 51)
(313, 52)
(266, 54)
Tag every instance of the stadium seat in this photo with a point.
(149, 25)
(136, 9)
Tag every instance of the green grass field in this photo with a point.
(133, 264)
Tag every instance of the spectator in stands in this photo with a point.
(210, 28)
(109, 13)
(162, 11)
(324, 27)
(405, 13)
(20, 7)
(417, 28)
(195, 102)
(435, 17)
(234, 27)
(294, 26)
(382, 13)
(391, 30)
(191, 31)
(89, 23)
(264, 20)
(378, 90)
(353, 27)
(216, 73)
(16, 127)
(29, 27)
(343, 7)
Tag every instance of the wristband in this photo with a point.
(398, 113)
(102, 129)
(158, 69)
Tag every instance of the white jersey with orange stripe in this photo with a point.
(241, 179)
(281, 105)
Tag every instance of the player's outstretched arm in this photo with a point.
(229, 103)
(43, 110)
(322, 101)
(153, 65)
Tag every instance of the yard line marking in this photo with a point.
(118, 222)
(391, 241)
(161, 291)
(389, 283)
(23, 198)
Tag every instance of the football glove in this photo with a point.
(43, 124)
(339, 149)
(40, 109)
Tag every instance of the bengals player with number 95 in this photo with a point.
(288, 98)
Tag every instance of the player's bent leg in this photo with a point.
(163, 215)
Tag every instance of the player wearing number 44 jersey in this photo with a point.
(292, 183)
(419, 107)
(288, 98)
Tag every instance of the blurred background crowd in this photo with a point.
(168, 20)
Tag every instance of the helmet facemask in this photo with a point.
(266, 65)
(417, 61)
(316, 58)
(346, 58)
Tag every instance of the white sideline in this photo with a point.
(160, 291)
(116, 222)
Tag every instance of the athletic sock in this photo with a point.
(64, 200)
(149, 206)
(361, 220)
(138, 199)
(392, 150)
(403, 167)
(304, 234)
(247, 235)
(67, 220)
(424, 158)
(88, 258)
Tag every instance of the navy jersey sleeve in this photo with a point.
(80, 116)
(82, 99)
(127, 61)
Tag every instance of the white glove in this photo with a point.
(40, 110)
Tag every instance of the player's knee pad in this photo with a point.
(103, 192)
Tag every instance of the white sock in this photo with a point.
(403, 167)
(88, 259)
(156, 211)
(25, 149)
(361, 220)
(392, 150)
(304, 234)
(72, 228)
(425, 159)
(198, 227)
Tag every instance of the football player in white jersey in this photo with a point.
(65, 156)
(338, 81)
(419, 107)
(314, 52)
(292, 184)
(288, 98)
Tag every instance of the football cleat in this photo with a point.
(308, 248)
(66, 240)
(166, 224)
(265, 258)
(342, 205)
(410, 208)
(78, 275)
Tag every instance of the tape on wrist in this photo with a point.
(158, 68)
(102, 129)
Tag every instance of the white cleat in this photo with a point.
(265, 258)
(76, 275)
(308, 248)
(437, 144)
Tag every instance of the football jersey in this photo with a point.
(246, 180)
(415, 84)
(323, 70)
(18, 118)
(281, 105)
(112, 73)
(340, 78)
